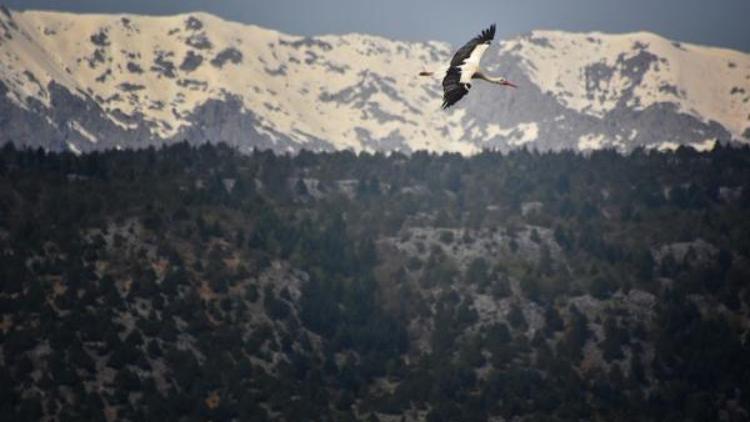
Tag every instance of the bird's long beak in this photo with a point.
(510, 84)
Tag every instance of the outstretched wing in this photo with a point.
(465, 62)
(453, 89)
(482, 40)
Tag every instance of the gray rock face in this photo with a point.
(100, 39)
(134, 68)
(231, 55)
(163, 64)
(191, 61)
(224, 121)
(199, 41)
(17, 123)
(55, 128)
(193, 24)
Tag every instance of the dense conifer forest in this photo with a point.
(196, 283)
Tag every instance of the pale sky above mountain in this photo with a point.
(722, 23)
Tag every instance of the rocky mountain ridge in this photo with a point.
(92, 82)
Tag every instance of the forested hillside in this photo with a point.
(197, 283)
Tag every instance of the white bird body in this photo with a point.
(471, 64)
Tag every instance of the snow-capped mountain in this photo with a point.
(85, 82)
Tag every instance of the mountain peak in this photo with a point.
(142, 80)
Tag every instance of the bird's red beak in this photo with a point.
(510, 84)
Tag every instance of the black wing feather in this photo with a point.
(464, 52)
(453, 89)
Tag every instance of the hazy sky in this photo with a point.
(723, 23)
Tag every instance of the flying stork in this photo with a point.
(465, 66)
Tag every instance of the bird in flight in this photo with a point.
(465, 66)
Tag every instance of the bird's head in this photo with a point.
(499, 80)
(505, 82)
